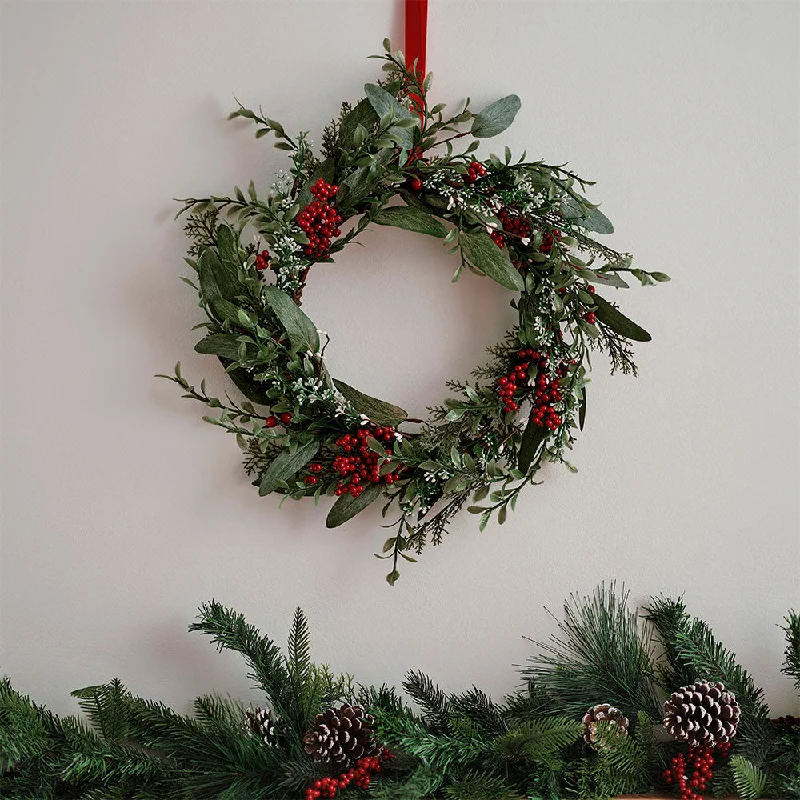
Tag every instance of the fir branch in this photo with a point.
(433, 701)
(749, 780)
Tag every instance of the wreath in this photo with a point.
(524, 224)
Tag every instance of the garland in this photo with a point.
(524, 224)
(323, 735)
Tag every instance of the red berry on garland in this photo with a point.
(416, 184)
(311, 479)
(498, 239)
(272, 422)
(286, 418)
(320, 220)
(589, 316)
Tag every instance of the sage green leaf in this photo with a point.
(347, 506)
(326, 170)
(384, 103)
(224, 345)
(618, 322)
(228, 247)
(285, 465)
(411, 219)
(216, 282)
(610, 279)
(302, 332)
(362, 114)
(251, 389)
(496, 117)
(479, 249)
(359, 183)
(592, 219)
(378, 411)
(532, 439)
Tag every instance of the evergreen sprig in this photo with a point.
(602, 654)
(791, 659)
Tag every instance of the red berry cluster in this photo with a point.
(498, 238)
(515, 225)
(273, 421)
(360, 465)
(548, 240)
(262, 260)
(359, 776)
(320, 220)
(474, 171)
(546, 391)
(701, 760)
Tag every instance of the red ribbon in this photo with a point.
(416, 34)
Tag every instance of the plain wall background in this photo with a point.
(122, 510)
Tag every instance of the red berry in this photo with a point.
(271, 422)
(589, 317)
(416, 184)
(286, 418)
(310, 480)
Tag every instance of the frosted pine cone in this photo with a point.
(603, 713)
(260, 722)
(702, 714)
(342, 736)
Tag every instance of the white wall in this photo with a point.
(122, 511)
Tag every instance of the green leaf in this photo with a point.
(216, 282)
(250, 388)
(411, 219)
(592, 219)
(302, 332)
(228, 247)
(286, 465)
(347, 506)
(384, 103)
(224, 345)
(326, 170)
(618, 322)
(378, 411)
(479, 249)
(496, 117)
(610, 279)
(532, 439)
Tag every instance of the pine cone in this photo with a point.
(342, 736)
(260, 723)
(603, 713)
(702, 714)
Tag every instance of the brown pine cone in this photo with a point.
(603, 713)
(342, 736)
(260, 723)
(702, 714)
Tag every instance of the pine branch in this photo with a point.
(539, 740)
(669, 617)
(106, 706)
(602, 655)
(791, 660)
(478, 708)
(479, 786)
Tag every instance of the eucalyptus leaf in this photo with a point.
(228, 247)
(224, 345)
(618, 322)
(479, 249)
(302, 332)
(378, 411)
(411, 219)
(532, 440)
(592, 219)
(496, 117)
(347, 506)
(285, 466)
(384, 103)
(216, 282)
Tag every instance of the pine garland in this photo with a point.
(464, 746)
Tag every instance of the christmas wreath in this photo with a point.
(524, 224)
(598, 715)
